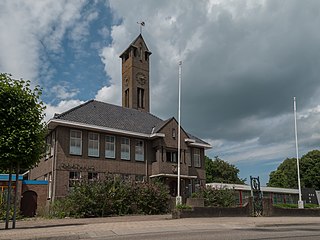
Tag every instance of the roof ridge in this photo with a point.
(72, 109)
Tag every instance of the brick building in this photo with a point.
(97, 139)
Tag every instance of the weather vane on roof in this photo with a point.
(141, 25)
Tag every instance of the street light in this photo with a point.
(300, 202)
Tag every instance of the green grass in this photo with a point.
(293, 205)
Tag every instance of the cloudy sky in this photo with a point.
(243, 62)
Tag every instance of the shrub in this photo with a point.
(183, 206)
(112, 197)
(217, 197)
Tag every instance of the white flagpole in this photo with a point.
(300, 202)
(178, 198)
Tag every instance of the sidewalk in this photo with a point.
(42, 229)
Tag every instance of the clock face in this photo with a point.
(141, 78)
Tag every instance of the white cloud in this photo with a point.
(243, 61)
(63, 92)
(109, 94)
(30, 27)
(104, 32)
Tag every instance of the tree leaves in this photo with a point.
(22, 128)
(220, 171)
(286, 174)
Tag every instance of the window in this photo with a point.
(173, 133)
(125, 148)
(140, 97)
(126, 98)
(92, 176)
(49, 146)
(139, 156)
(74, 178)
(93, 144)
(196, 157)
(53, 140)
(75, 142)
(141, 56)
(172, 157)
(110, 146)
(50, 185)
(188, 156)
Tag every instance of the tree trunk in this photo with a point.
(9, 198)
(15, 202)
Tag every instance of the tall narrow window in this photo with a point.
(53, 141)
(173, 133)
(140, 97)
(110, 147)
(48, 146)
(196, 157)
(141, 55)
(75, 142)
(139, 150)
(50, 185)
(125, 148)
(126, 98)
(93, 144)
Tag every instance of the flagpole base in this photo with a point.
(178, 200)
(300, 204)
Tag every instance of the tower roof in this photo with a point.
(133, 45)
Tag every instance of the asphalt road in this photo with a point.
(296, 231)
(164, 227)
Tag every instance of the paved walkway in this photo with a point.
(42, 229)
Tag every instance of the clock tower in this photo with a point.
(135, 76)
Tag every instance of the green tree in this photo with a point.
(22, 129)
(286, 174)
(218, 170)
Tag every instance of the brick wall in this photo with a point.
(42, 193)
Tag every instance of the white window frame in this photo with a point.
(53, 141)
(139, 150)
(94, 151)
(125, 155)
(73, 152)
(74, 179)
(196, 157)
(50, 185)
(107, 144)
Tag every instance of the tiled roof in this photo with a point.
(111, 116)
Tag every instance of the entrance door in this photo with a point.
(29, 203)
